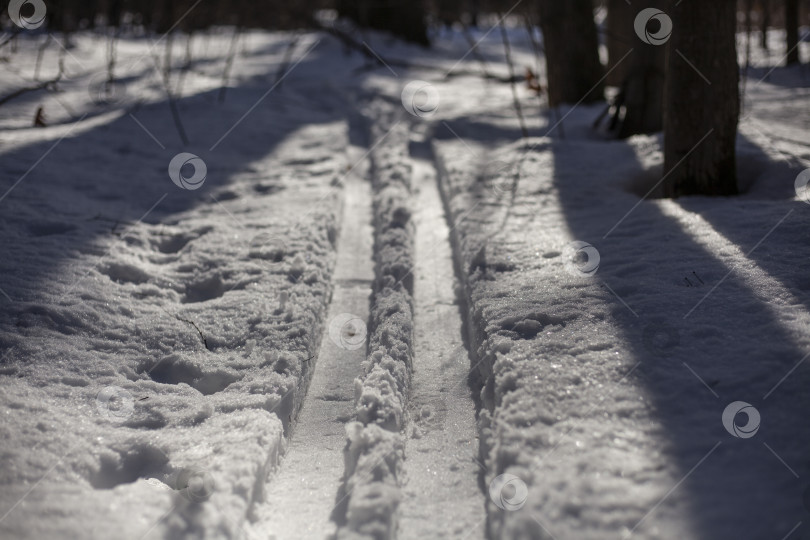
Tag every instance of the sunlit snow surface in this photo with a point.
(156, 341)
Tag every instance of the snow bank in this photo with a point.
(156, 342)
(604, 372)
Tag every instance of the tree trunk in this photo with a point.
(167, 17)
(620, 39)
(638, 69)
(403, 18)
(701, 114)
(765, 23)
(572, 51)
(792, 30)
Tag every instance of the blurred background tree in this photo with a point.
(636, 68)
(572, 51)
(403, 18)
(687, 88)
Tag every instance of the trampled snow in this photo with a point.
(157, 343)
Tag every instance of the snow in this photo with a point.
(154, 329)
(604, 390)
(373, 454)
(442, 436)
(158, 343)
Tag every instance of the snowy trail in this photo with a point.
(300, 497)
(441, 497)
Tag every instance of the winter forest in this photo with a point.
(405, 269)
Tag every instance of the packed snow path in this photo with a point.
(437, 490)
(301, 496)
(441, 497)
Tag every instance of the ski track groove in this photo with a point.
(299, 498)
(434, 492)
(441, 497)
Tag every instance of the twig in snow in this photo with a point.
(39, 118)
(169, 96)
(197, 328)
(51, 84)
(112, 49)
(516, 100)
(285, 63)
(40, 53)
(474, 50)
(186, 66)
(10, 38)
(536, 46)
(749, 7)
(226, 73)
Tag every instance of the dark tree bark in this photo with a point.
(572, 51)
(403, 18)
(637, 69)
(620, 39)
(86, 13)
(167, 16)
(55, 17)
(792, 29)
(115, 11)
(701, 114)
(765, 22)
(448, 11)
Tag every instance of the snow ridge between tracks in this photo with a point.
(374, 453)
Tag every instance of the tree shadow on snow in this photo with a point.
(727, 336)
(63, 196)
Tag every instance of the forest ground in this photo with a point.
(365, 317)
